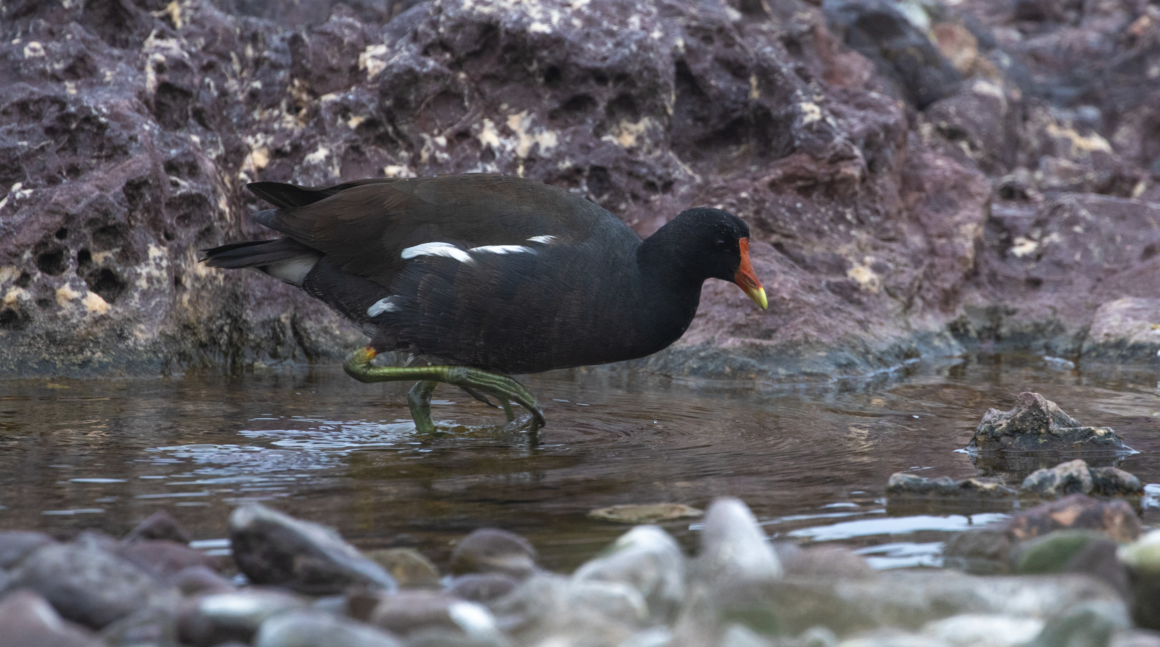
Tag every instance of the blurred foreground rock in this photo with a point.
(924, 188)
(1082, 584)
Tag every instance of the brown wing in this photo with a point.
(363, 227)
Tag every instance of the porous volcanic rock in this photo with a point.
(130, 127)
(1037, 424)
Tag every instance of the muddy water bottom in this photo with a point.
(811, 461)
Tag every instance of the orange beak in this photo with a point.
(747, 280)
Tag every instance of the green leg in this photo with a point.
(419, 399)
(503, 388)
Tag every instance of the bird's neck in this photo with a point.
(669, 295)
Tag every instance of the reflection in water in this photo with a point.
(811, 461)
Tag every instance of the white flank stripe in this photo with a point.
(544, 240)
(503, 249)
(437, 249)
(381, 306)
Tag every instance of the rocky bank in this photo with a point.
(920, 178)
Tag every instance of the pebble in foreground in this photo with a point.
(491, 276)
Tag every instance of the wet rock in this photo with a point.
(645, 513)
(208, 620)
(163, 557)
(989, 549)
(88, 585)
(1088, 624)
(822, 562)
(906, 600)
(274, 548)
(733, 545)
(153, 625)
(200, 579)
(317, 629)
(977, 630)
(1076, 477)
(15, 545)
(900, 49)
(483, 587)
(409, 567)
(1036, 424)
(1114, 518)
(548, 608)
(159, 526)
(903, 484)
(647, 559)
(490, 550)
(1073, 551)
(411, 612)
(1142, 558)
(1135, 638)
(27, 619)
(1125, 330)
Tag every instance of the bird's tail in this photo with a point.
(284, 259)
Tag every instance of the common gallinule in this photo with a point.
(490, 275)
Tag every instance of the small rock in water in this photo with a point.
(1037, 424)
(645, 512)
(1142, 558)
(649, 560)
(1073, 551)
(733, 545)
(159, 525)
(88, 585)
(1075, 477)
(409, 567)
(27, 620)
(319, 629)
(15, 545)
(482, 587)
(490, 550)
(903, 484)
(274, 548)
(1114, 518)
(216, 618)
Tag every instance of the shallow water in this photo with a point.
(811, 461)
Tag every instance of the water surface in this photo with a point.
(811, 461)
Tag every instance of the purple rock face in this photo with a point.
(129, 130)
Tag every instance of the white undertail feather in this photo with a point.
(381, 306)
(502, 249)
(437, 249)
(292, 270)
(543, 240)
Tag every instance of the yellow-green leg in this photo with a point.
(501, 387)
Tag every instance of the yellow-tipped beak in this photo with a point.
(758, 296)
(746, 279)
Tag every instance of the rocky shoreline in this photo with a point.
(921, 178)
(1078, 572)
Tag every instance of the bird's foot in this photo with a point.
(474, 381)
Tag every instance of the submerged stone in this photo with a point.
(159, 525)
(1037, 424)
(274, 548)
(645, 513)
(903, 484)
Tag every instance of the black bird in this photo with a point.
(490, 275)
